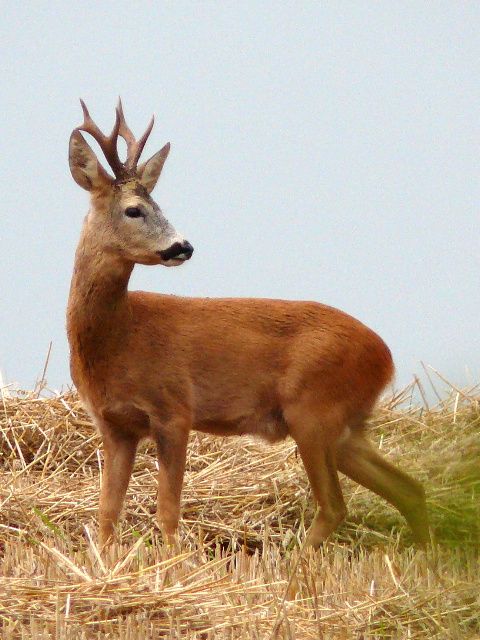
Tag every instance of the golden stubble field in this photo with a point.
(240, 570)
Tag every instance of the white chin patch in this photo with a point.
(173, 262)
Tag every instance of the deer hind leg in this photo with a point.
(359, 460)
(119, 456)
(316, 445)
(319, 462)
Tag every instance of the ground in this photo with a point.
(240, 568)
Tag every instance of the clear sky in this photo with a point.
(321, 150)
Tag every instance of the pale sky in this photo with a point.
(326, 151)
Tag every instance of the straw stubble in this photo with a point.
(240, 569)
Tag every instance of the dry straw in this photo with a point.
(240, 569)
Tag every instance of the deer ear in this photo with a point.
(150, 171)
(86, 169)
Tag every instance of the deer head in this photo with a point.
(124, 219)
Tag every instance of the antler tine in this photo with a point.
(142, 141)
(108, 144)
(134, 147)
(124, 130)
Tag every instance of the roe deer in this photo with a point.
(150, 365)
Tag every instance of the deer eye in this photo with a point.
(134, 212)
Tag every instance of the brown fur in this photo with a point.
(157, 366)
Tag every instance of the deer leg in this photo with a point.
(119, 455)
(171, 452)
(319, 460)
(359, 460)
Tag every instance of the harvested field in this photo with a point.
(239, 570)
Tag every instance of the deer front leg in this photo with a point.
(171, 444)
(119, 456)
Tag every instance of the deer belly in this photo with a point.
(269, 425)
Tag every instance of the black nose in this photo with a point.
(187, 249)
(182, 250)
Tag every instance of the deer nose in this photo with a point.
(180, 250)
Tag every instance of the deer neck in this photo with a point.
(98, 314)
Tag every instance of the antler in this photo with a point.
(108, 144)
(134, 147)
